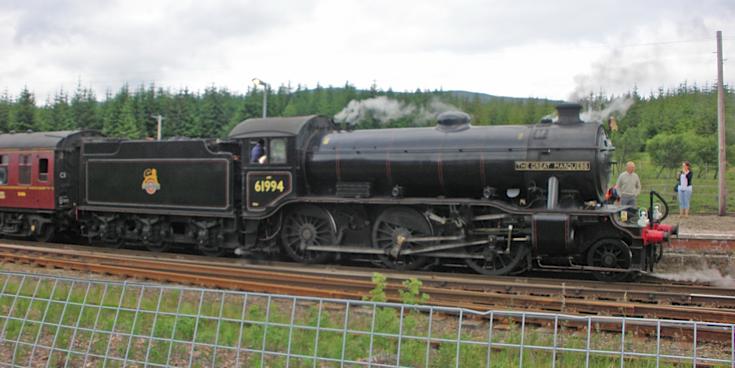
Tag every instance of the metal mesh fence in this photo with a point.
(54, 321)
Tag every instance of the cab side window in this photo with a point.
(258, 154)
(4, 169)
(278, 151)
(24, 170)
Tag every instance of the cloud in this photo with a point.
(107, 44)
(41, 21)
(498, 47)
(651, 56)
(475, 26)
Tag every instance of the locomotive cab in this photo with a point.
(273, 151)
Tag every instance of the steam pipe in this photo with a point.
(552, 193)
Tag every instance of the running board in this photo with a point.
(584, 268)
(356, 249)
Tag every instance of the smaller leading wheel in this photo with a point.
(610, 253)
(304, 226)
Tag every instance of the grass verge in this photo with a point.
(107, 324)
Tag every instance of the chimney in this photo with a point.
(569, 113)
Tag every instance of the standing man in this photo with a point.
(629, 185)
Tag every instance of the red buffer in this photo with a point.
(653, 236)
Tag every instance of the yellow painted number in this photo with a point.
(263, 186)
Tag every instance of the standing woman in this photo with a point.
(685, 188)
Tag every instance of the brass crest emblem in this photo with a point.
(150, 181)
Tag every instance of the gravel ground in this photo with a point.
(704, 224)
(715, 267)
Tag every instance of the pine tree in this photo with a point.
(61, 117)
(129, 126)
(84, 109)
(181, 118)
(112, 111)
(213, 112)
(249, 108)
(24, 113)
(144, 107)
(5, 107)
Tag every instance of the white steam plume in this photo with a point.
(619, 106)
(617, 72)
(386, 110)
(710, 276)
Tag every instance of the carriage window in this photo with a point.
(3, 169)
(278, 151)
(24, 170)
(43, 169)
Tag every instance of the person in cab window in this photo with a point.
(257, 154)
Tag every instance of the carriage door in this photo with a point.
(268, 173)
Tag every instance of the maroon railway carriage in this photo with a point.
(38, 189)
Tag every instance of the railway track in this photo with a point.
(650, 300)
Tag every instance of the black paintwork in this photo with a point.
(265, 189)
(302, 133)
(66, 168)
(429, 162)
(192, 175)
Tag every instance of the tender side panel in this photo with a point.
(202, 184)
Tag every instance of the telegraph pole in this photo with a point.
(722, 160)
(158, 118)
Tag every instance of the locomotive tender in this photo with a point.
(496, 199)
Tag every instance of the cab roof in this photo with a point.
(279, 126)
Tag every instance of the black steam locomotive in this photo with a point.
(498, 199)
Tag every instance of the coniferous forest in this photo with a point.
(670, 124)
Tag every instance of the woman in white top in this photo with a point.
(685, 188)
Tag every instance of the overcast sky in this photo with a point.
(547, 49)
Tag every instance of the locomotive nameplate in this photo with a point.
(553, 165)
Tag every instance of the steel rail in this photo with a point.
(293, 283)
(578, 300)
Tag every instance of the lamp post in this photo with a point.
(158, 118)
(257, 82)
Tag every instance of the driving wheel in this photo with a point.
(305, 226)
(391, 232)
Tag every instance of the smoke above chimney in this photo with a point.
(386, 110)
